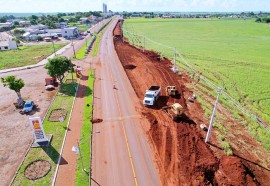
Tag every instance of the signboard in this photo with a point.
(38, 130)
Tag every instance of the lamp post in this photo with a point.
(52, 43)
(78, 151)
(73, 47)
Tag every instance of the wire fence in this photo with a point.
(144, 42)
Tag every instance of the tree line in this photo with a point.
(51, 20)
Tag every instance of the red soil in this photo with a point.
(185, 158)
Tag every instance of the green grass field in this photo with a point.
(50, 153)
(233, 53)
(81, 27)
(26, 55)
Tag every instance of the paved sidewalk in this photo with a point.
(68, 164)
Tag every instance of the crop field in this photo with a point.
(233, 53)
(26, 55)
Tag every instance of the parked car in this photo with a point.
(28, 106)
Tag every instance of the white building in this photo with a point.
(104, 8)
(8, 45)
(25, 23)
(70, 32)
(7, 24)
(39, 27)
(83, 20)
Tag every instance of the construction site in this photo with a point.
(178, 139)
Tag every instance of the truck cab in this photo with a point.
(151, 95)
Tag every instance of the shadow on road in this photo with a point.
(95, 182)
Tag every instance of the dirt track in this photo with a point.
(185, 158)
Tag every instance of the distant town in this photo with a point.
(16, 31)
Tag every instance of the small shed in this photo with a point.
(8, 45)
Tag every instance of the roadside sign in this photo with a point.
(38, 130)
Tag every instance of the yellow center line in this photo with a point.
(124, 130)
(122, 118)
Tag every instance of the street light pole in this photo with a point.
(81, 156)
(52, 44)
(212, 117)
(73, 48)
(53, 48)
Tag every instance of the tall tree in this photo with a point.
(14, 84)
(57, 67)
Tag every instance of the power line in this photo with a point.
(187, 64)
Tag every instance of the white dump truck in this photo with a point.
(151, 95)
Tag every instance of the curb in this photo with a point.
(27, 151)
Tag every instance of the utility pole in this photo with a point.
(143, 43)
(73, 47)
(53, 44)
(212, 117)
(174, 57)
(53, 48)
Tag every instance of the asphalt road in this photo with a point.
(15, 132)
(120, 152)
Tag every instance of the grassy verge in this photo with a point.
(95, 50)
(81, 53)
(26, 55)
(99, 36)
(82, 178)
(64, 99)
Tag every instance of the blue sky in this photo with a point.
(22, 6)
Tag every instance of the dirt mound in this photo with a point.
(130, 67)
(37, 169)
(97, 121)
(150, 117)
(57, 115)
(233, 172)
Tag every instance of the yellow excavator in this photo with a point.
(175, 110)
(171, 90)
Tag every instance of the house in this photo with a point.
(7, 24)
(83, 20)
(8, 45)
(57, 32)
(31, 34)
(25, 23)
(39, 27)
(61, 25)
(70, 32)
(92, 19)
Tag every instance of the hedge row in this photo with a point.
(101, 28)
(90, 44)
